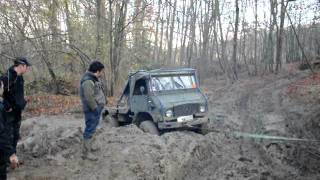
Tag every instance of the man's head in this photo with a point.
(96, 68)
(21, 65)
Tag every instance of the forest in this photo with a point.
(217, 37)
(258, 66)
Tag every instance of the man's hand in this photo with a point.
(14, 161)
(9, 110)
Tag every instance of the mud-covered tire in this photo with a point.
(204, 129)
(200, 129)
(111, 121)
(149, 127)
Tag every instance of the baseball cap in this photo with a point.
(21, 60)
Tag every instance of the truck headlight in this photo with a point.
(202, 109)
(169, 113)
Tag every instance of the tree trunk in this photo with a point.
(118, 40)
(280, 37)
(53, 25)
(169, 57)
(206, 28)
(100, 15)
(235, 43)
(192, 33)
(112, 83)
(70, 29)
(165, 58)
(156, 47)
(255, 37)
(184, 31)
(270, 47)
(161, 42)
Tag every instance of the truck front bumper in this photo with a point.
(175, 124)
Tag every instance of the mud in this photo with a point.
(51, 146)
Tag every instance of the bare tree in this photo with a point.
(117, 38)
(184, 30)
(70, 28)
(235, 42)
(280, 36)
(270, 48)
(255, 36)
(100, 15)
(156, 47)
(172, 26)
(191, 43)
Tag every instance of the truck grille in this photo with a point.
(186, 109)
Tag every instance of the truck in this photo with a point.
(159, 100)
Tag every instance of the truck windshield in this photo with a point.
(164, 83)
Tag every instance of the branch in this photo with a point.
(6, 56)
(135, 17)
(30, 38)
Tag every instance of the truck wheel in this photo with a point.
(111, 121)
(200, 129)
(149, 127)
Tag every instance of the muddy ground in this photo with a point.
(51, 146)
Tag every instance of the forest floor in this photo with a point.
(287, 104)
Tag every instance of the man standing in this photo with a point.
(13, 96)
(7, 152)
(93, 100)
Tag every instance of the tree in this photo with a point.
(235, 43)
(280, 36)
(117, 37)
(100, 15)
(255, 36)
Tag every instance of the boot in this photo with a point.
(94, 147)
(86, 150)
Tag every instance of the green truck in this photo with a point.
(160, 99)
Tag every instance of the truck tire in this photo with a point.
(149, 127)
(111, 121)
(199, 129)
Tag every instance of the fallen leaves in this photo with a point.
(56, 105)
(307, 89)
(51, 105)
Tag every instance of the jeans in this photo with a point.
(92, 119)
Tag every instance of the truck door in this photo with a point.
(139, 100)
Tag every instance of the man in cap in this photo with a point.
(13, 96)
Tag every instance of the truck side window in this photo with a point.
(139, 83)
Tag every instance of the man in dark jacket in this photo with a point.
(93, 100)
(7, 152)
(13, 96)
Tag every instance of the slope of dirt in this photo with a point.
(51, 146)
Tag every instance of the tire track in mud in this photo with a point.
(261, 110)
(249, 148)
(241, 102)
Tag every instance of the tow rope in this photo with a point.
(238, 134)
(264, 136)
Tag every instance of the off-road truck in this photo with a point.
(160, 99)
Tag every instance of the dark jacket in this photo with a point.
(13, 96)
(6, 137)
(91, 92)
